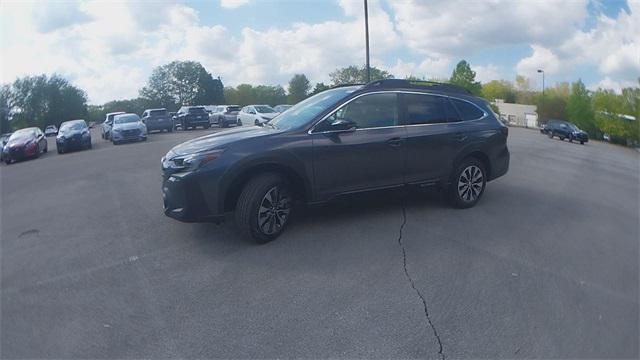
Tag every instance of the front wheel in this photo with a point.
(256, 122)
(467, 183)
(264, 207)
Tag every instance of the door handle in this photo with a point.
(395, 142)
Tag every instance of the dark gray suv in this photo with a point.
(388, 133)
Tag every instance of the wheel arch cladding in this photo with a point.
(298, 185)
(482, 157)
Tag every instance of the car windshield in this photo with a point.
(196, 110)
(72, 126)
(22, 133)
(573, 127)
(124, 119)
(158, 112)
(264, 109)
(50, 127)
(233, 108)
(305, 111)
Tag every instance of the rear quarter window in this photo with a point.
(467, 110)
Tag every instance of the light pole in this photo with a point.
(366, 35)
(542, 104)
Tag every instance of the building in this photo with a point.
(518, 114)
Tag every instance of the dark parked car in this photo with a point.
(23, 144)
(565, 130)
(157, 119)
(108, 122)
(73, 135)
(388, 133)
(188, 117)
(225, 115)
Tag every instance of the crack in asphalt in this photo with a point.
(413, 285)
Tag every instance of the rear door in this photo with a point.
(430, 150)
(372, 156)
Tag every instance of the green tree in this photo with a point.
(182, 83)
(42, 100)
(554, 104)
(499, 89)
(355, 75)
(320, 87)
(579, 109)
(298, 88)
(246, 94)
(463, 76)
(524, 95)
(5, 108)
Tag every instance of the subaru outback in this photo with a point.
(385, 134)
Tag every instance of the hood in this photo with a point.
(216, 140)
(18, 142)
(269, 115)
(70, 133)
(128, 126)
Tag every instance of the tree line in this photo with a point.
(43, 100)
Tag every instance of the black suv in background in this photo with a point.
(564, 130)
(188, 117)
(388, 133)
(157, 119)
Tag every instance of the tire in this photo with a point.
(256, 122)
(561, 138)
(581, 142)
(254, 196)
(170, 129)
(238, 123)
(570, 138)
(46, 148)
(7, 161)
(60, 151)
(550, 135)
(461, 196)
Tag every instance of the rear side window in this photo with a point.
(425, 109)
(467, 110)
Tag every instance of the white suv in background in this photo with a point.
(257, 114)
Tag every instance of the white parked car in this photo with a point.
(50, 130)
(257, 114)
(128, 127)
(282, 108)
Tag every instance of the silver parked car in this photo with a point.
(128, 127)
(225, 115)
(105, 129)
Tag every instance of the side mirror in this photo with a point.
(342, 125)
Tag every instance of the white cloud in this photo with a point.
(610, 84)
(542, 58)
(486, 73)
(461, 27)
(430, 68)
(232, 4)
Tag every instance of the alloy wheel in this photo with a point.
(274, 210)
(470, 183)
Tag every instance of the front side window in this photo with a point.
(425, 109)
(369, 111)
(467, 110)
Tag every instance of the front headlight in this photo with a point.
(193, 161)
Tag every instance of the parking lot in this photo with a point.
(545, 266)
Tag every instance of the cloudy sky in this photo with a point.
(110, 48)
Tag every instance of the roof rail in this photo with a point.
(417, 84)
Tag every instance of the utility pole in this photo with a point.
(542, 104)
(366, 34)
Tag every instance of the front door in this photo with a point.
(372, 156)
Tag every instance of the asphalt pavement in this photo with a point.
(545, 266)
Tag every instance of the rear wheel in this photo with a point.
(570, 138)
(46, 147)
(581, 142)
(256, 122)
(467, 183)
(264, 207)
(550, 134)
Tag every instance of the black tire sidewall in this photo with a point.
(246, 212)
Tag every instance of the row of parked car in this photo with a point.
(31, 142)
(121, 127)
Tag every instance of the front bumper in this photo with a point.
(128, 135)
(184, 200)
(73, 142)
(18, 153)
